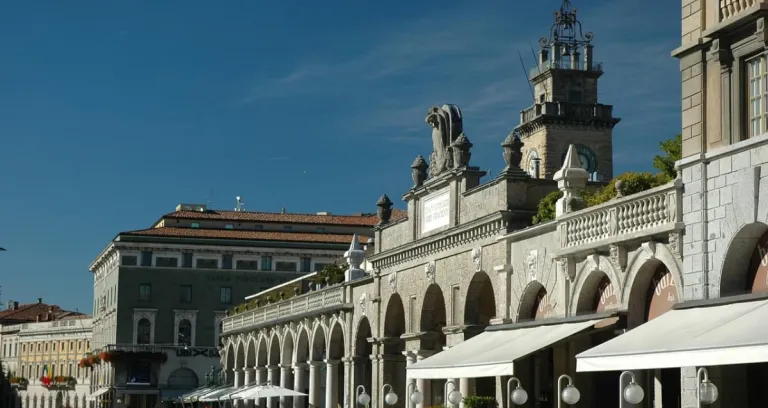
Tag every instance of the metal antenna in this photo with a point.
(525, 75)
(210, 198)
(538, 69)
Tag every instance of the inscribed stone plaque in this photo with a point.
(435, 211)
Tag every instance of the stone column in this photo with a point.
(424, 385)
(332, 384)
(250, 378)
(261, 378)
(377, 368)
(465, 387)
(285, 382)
(351, 382)
(314, 383)
(299, 383)
(410, 358)
(238, 377)
(273, 378)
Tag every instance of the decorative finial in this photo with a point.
(571, 179)
(385, 209)
(419, 171)
(355, 257)
(461, 153)
(619, 186)
(513, 150)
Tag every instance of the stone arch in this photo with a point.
(274, 349)
(363, 350)
(240, 355)
(183, 379)
(287, 349)
(250, 352)
(261, 353)
(229, 361)
(336, 342)
(301, 353)
(526, 307)
(590, 281)
(641, 269)
(433, 314)
(318, 344)
(735, 279)
(480, 303)
(394, 317)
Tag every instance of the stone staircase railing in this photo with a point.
(315, 300)
(652, 212)
(731, 8)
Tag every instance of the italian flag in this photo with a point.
(46, 375)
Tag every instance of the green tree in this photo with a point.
(673, 151)
(333, 271)
(546, 207)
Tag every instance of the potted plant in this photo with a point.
(480, 402)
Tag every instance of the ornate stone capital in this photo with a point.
(567, 267)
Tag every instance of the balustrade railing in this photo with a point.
(571, 110)
(320, 299)
(731, 8)
(654, 211)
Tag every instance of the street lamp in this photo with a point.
(570, 395)
(632, 393)
(415, 396)
(519, 395)
(390, 398)
(454, 397)
(362, 397)
(706, 391)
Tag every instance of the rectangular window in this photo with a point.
(146, 258)
(167, 262)
(266, 263)
(206, 263)
(145, 292)
(225, 295)
(195, 225)
(285, 266)
(130, 260)
(306, 264)
(757, 94)
(186, 260)
(229, 226)
(185, 295)
(226, 261)
(247, 264)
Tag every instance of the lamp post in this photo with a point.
(362, 397)
(632, 393)
(415, 396)
(570, 394)
(519, 395)
(454, 397)
(390, 398)
(706, 391)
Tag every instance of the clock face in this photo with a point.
(587, 158)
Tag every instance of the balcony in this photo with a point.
(333, 297)
(731, 9)
(657, 211)
(541, 68)
(572, 111)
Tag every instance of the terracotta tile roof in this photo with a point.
(29, 312)
(252, 216)
(180, 232)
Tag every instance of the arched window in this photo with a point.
(143, 331)
(183, 379)
(185, 333)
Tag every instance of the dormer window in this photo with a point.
(195, 225)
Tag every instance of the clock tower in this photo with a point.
(566, 109)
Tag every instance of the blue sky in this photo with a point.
(113, 112)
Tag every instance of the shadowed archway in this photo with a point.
(394, 346)
(597, 294)
(433, 319)
(363, 351)
(335, 354)
(480, 305)
(742, 260)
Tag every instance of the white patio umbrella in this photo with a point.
(266, 391)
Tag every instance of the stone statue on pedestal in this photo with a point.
(446, 122)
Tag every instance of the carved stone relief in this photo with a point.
(477, 258)
(674, 242)
(429, 270)
(393, 281)
(361, 303)
(532, 264)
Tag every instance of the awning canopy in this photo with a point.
(733, 333)
(222, 393)
(491, 353)
(192, 395)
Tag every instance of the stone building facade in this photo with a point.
(161, 293)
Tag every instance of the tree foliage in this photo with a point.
(333, 271)
(632, 182)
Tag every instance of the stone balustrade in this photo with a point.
(731, 8)
(657, 211)
(578, 111)
(323, 299)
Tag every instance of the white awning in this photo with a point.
(97, 394)
(222, 393)
(491, 353)
(733, 333)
